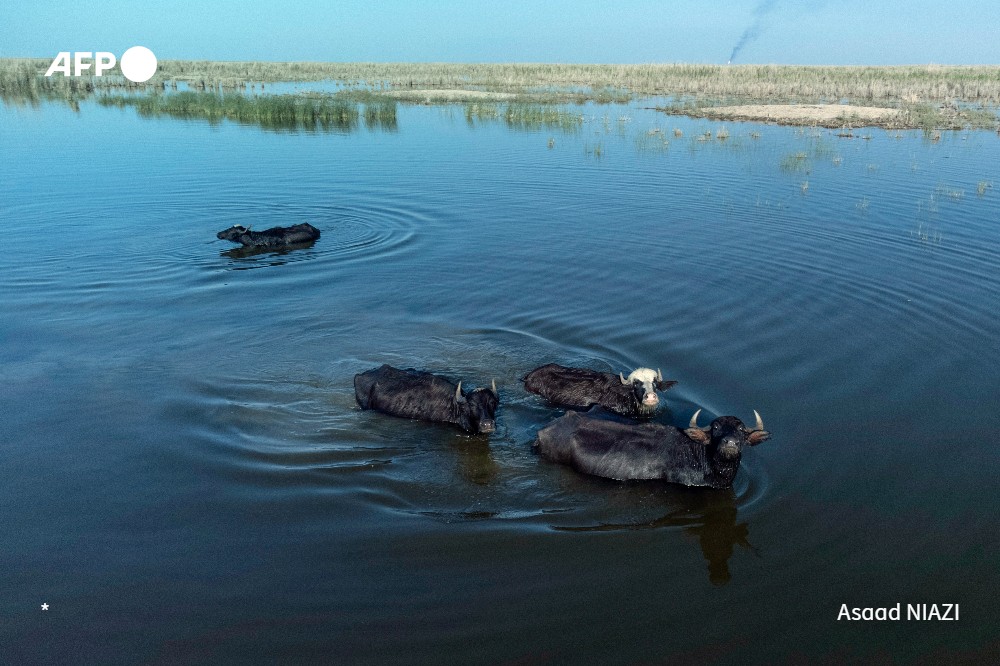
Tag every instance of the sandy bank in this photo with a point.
(825, 115)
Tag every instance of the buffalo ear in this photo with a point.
(757, 436)
(663, 385)
(698, 435)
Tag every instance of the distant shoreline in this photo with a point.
(928, 97)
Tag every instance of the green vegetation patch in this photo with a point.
(524, 116)
(284, 112)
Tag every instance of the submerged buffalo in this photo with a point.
(581, 388)
(274, 237)
(420, 395)
(696, 456)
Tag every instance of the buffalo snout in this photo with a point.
(729, 447)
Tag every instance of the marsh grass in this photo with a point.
(524, 116)
(929, 117)
(600, 83)
(481, 112)
(948, 115)
(931, 98)
(531, 116)
(275, 112)
(796, 162)
(651, 141)
(381, 115)
(612, 83)
(822, 150)
(952, 193)
(596, 150)
(22, 83)
(925, 233)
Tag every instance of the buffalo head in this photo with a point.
(644, 383)
(233, 233)
(475, 410)
(727, 436)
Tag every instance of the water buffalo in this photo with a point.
(274, 237)
(581, 388)
(696, 456)
(420, 395)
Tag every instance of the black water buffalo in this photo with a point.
(694, 457)
(274, 237)
(420, 395)
(581, 388)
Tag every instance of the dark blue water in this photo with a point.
(185, 476)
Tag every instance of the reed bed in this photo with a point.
(524, 116)
(901, 83)
(932, 97)
(277, 112)
(915, 83)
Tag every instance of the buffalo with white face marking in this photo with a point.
(420, 395)
(696, 456)
(581, 388)
(274, 237)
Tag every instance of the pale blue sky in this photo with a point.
(579, 31)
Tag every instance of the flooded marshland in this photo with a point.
(186, 476)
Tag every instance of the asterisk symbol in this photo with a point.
(45, 606)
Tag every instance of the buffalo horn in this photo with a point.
(493, 384)
(760, 421)
(458, 393)
(694, 420)
(622, 377)
(659, 375)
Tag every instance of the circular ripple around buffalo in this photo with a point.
(353, 236)
(374, 234)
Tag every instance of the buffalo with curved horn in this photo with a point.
(708, 456)
(274, 237)
(421, 395)
(581, 388)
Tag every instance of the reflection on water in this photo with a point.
(475, 464)
(193, 428)
(248, 251)
(523, 116)
(269, 112)
(709, 516)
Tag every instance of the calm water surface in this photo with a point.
(185, 476)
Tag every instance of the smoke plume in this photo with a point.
(760, 14)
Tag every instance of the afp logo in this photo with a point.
(138, 64)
